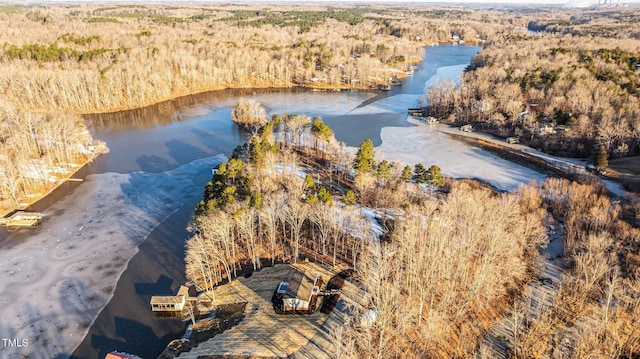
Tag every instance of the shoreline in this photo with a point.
(275, 85)
(427, 144)
(278, 85)
(525, 156)
(510, 154)
(81, 253)
(101, 149)
(175, 209)
(322, 87)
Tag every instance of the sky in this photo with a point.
(532, 2)
(567, 3)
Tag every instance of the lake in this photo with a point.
(79, 285)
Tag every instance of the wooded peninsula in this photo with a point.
(450, 268)
(578, 70)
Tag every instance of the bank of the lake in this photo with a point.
(330, 105)
(36, 195)
(106, 242)
(128, 325)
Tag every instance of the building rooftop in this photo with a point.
(301, 285)
(166, 299)
(171, 299)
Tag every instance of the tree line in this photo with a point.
(71, 63)
(93, 59)
(445, 267)
(563, 92)
(37, 151)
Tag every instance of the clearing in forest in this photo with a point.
(263, 333)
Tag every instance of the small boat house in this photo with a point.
(395, 81)
(171, 303)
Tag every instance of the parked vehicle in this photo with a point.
(601, 171)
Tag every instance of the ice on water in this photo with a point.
(55, 281)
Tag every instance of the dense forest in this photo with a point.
(442, 263)
(569, 86)
(94, 59)
(57, 61)
(61, 60)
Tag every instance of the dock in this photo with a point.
(430, 120)
(22, 219)
(417, 112)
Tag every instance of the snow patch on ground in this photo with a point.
(288, 168)
(375, 229)
(55, 280)
(616, 188)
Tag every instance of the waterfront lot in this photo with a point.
(263, 333)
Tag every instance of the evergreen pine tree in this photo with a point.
(420, 174)
(600, 158)
(383, 171)
(308, 182)
(324, 196)
(256, 152)
(364, 161)
(407, 173)
(320, 130)
(349, 198)
(434, 176)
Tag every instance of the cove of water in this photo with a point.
(137, 202)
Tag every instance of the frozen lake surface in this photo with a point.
(55, 279)
(79, 285)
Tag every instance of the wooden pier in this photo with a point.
(21, 219)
